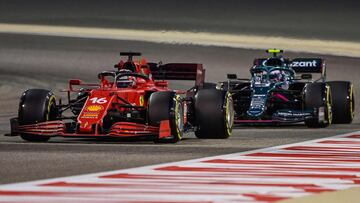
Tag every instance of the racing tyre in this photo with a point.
(343, 104)
(214, 114)
(167, 106)
(317, 96)
(36, 105)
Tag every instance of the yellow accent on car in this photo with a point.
(229, 114)
(274, 51)
(328, 104)
(351, 102)
(141, 100)
(177, 116)
(94, 108)
(51, 101)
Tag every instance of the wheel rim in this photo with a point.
(229, 113)
(50, 109)
(178, 117)
(351, 102)
(328, 105)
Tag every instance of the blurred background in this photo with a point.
(323, 19)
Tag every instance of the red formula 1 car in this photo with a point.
(133, 100)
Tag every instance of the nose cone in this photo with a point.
(94, 110)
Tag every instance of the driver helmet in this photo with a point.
(126, 81)
(275, 76)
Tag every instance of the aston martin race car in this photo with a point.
(134, 100)
(281, 90)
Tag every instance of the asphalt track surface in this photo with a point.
(48, 62)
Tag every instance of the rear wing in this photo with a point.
(178, 71)
(308, 65)
(301, 65)
(262, 61)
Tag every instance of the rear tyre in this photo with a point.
(167, 106)
(343, 104)
(214, 114)
(36, 105)
(318, 96)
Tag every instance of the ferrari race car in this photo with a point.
(133, 100)
(276, 93)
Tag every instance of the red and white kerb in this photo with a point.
(265, 175)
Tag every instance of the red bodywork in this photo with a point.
(107, 95)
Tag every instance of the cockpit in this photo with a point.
(266, 76)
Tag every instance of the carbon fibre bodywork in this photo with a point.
(118, 105)
(275, 93)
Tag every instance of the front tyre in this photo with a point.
(214, 114)
(36, 106)
(167, 106)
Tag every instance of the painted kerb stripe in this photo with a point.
(264, 175)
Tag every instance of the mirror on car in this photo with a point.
(306, 76)
(231, 76)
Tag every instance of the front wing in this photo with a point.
(284, 116)
(119, 129)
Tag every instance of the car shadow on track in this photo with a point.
(98, 140)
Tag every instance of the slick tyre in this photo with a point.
(318, 96)
(167, 106)
(343, 104)
(214, 114)
(36, 105)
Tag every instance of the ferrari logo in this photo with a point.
(141, 100)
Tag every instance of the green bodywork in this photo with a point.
(263, 84)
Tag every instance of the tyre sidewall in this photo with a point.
(212, 107)
(343, 101)
(317, 95)
(167, 105)
(36, 105)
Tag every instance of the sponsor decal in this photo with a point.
(96, 100)
(94, 108)
(289, 113)
(89, 115)
(304, 64)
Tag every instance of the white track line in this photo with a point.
(329, 47)
(264, 175)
